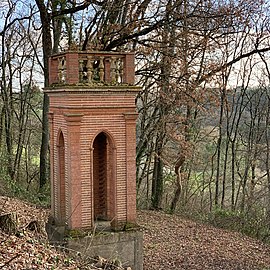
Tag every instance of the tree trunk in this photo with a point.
(44, 144)
(47, 48)
(233, 153)
(267, 122)
(8, 222)
(2, 113)
(219, 144)
(157, 181)
(177, 169)
(223, 193)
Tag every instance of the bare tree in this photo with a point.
(18, 62)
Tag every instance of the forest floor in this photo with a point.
(170, 242)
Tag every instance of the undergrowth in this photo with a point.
(250, 223)
(18, 190)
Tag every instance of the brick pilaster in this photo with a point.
(74, 170)
(107, 68)
(53, 67)
(130, 119)
(52, 167)
(129, 68)
(72, 76)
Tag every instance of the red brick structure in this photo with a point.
(92, 138)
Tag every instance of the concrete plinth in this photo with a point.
(125, 246)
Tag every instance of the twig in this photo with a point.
(10, 260)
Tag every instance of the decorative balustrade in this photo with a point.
(92, 68)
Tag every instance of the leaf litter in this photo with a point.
(170, 242)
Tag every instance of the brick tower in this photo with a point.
(92, 138)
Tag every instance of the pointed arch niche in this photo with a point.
(104, 174)
(61, 179)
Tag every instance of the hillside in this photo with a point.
(170, 242)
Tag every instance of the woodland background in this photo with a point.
(203, 131)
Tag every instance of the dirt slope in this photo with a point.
(170, 242)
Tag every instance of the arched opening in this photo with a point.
(61, 174)
(103, 178)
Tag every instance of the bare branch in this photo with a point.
(230, 63)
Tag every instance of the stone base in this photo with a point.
(125, 246)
